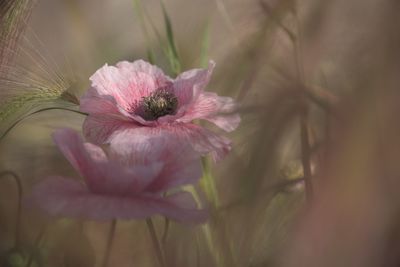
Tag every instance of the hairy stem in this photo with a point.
(19, 205)
(110, 239)
(304, 134)
(36, 244)
(156, 243)
(167, 223)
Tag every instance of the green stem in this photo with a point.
(167, 223)
(306, 153)
(156, 243)
(19, 205)
(304, 134)
(38, 111)
(36, 244)
(110, 239)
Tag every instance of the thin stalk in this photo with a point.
(306, 153)
(156, 243)
(19, 205)
(38, 111)
(304, 112)
(110, 239)
(167, 223)
(36, 245)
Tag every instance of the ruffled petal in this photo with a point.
(145, 145)
(101, 174)
(59, 196)
(94, 103)
(188, 85)
(182, 167)
(126, 86)
(98, 128)
(142, 66)
(72, 146)
(216, 109)
(182, 207)
(201, 139)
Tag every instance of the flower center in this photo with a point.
(158, 104)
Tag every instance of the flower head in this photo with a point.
(127, 181)
(137, 95)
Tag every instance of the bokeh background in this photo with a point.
(314, 175)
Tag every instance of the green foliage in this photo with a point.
(172, 52)
(205, 44)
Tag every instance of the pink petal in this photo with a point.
(59, 196)
(101, 174)
(94, 103)
(189, 84)
(127, 86)
(216, 109)
(71, 145)
(181, 207)
(142, 66)
(139, 146)
(201, 139)
(98, 128)
(182, 166)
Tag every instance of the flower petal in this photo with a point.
(147, 145)
(59, 196)
(127, 86)
(216, 109)
(101, 174)
(71, 145)
(142, 66)
(98, 128)
(201, 139)
(189, 84)
(182, 166)
(94, 103)
(181, 207)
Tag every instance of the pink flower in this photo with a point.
(138, 95)
(127, 181)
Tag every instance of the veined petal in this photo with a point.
(145, 145)
(188, 85)
(142, 66)
(72, 146)
(101, 174)
(127, 86)
(60, 196)
(216, 109)
(98, 128)
(181, 207)
(94, 103)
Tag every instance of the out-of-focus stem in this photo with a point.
(36, 245)
(156, 243)
(19, 205)
(304, 134)
(110, 239)
(306, 152)
(167, 223)
(38, 111)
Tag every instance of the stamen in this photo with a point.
(159, 104)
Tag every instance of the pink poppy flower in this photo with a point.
(139, 95)
(127, 181)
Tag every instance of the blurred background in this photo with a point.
(314, 175)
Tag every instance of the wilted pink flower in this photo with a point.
(139, 95)
(127, 181)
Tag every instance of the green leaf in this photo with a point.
(172, 52)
